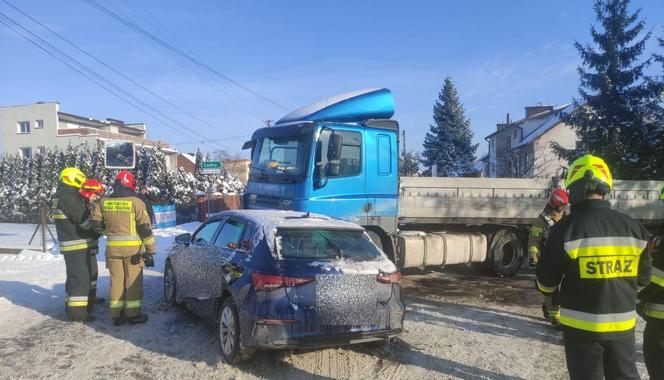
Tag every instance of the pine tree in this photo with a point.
(409, 164)
(612, 120)
(448, 144)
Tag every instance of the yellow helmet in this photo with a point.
(72, 177)
(589, 168)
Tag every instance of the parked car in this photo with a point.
(285, 279)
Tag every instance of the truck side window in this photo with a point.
(350, 161)
(384, 155)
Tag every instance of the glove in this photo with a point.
(148, 259)
(136, 259)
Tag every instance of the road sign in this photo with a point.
(211, 167)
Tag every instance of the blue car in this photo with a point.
(285, 279)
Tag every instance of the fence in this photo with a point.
(33, 232)
(209, 204)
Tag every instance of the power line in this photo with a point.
(86, 71)
(178, 51)
(69, 42)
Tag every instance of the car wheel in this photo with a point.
(232, 351)
(170, 295)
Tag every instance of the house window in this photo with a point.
(39, 124)
(516, 133)
(41, 150)
(25, 152)
(23, 127)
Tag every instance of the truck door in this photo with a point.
(339, 183)
(381, 178)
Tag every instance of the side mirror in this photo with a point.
(183, 239)
(334, 147)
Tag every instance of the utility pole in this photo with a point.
(404, 142)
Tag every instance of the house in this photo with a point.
(32, 128)
(187, 161)
(522, 149)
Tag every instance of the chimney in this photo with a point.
(534, 110)
(507, 119)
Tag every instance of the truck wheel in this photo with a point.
(380, 243)
(506, 253)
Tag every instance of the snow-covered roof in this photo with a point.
(535, 126)
(189, 157)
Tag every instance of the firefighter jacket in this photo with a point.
(539, 230)
(653, 294)
(126, 223)
(597, 255)
(72, 221)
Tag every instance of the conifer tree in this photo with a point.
(612, 119)
(448, 144)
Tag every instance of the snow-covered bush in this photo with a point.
(25, 183)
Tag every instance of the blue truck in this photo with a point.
(340, 157)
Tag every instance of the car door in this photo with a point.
(190, 264)
(215, 259)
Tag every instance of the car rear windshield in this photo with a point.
(325, 244)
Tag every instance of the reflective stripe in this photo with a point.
(149, 240)
(545, 289)
(657, 276)
(77, 301)
(132, 224)
(536, 231)
(123, 241)
(116, 304)
(59, 215)
(655, 310)
(533, 250)
(598, 322)
(93, 282)
(133, 304)
(604, 246)
(86, 224)
(75, 245)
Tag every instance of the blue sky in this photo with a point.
(502, 55)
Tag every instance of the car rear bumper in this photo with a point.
(329, 340)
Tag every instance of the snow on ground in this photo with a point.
(458, 325)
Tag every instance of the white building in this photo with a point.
(522, 148)
(32, 128)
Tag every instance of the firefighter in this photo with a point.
(92, 190)
(77, 242)
(652, 309)
(539, 232)
(597, 256)
(130, 246)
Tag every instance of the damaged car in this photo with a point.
(284, 279)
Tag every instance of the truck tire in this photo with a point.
(506, 254)
(375, 238)
(382, 243)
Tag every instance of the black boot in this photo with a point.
(89, 318)
(119, 321)
(137, 319)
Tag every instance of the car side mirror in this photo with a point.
(183, 239)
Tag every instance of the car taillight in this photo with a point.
(268, 282)
(389, 278)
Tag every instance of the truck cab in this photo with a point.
(338, 157)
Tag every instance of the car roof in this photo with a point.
(288, 219)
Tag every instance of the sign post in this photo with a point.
(211, 167)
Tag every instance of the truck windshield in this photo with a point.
(281, 159)
(325, 244)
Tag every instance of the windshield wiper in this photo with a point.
(340, 253)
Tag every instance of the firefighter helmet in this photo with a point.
(125, 178)
(588, 173)
(558, 198)
(90, 187)
(72, 177)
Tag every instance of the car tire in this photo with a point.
(170, 284)
(230, 342)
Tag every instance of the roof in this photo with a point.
(272, 219)
(537, 125)
(361, 105)
(189, 157)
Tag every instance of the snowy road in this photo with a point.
(458, 325)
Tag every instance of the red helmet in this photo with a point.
(126, 179)
(90, 187)
(558, 198)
